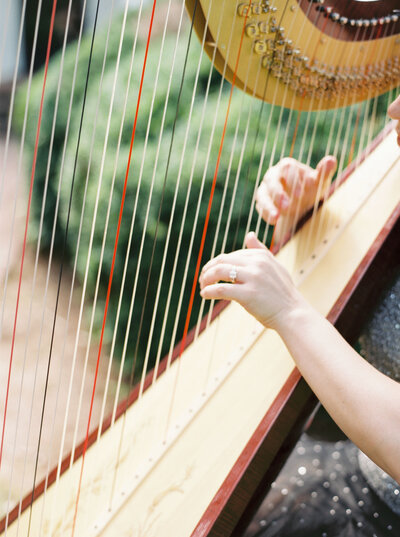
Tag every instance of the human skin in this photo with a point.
(363, 402)
(290, 189)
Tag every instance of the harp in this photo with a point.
(183, 446)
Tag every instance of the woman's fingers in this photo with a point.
(222, 291)
(276, 187)
(325, 171)
(221, 272)
(265, 206)
(252, 242)
(234, 267)
(271, 196)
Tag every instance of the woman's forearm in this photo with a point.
(363, 402)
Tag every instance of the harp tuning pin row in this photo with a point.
(246, 9)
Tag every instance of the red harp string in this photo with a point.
(85, 446)
(39, 123)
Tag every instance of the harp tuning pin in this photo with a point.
(266, 7)
(335, 16)
(343, 20)
(388, 19)
(366, 23)
(352, 22)
(359, 23)
(374, 22)
(395, 17)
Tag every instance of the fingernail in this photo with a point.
(284, 202)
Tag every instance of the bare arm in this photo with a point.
(362, 401)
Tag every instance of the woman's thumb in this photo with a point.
(326, 168)
(251, 241)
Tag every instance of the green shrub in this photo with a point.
(95, 176)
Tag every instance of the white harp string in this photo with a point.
(33, 287)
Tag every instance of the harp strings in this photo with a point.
(289, 230)
(205, 228)
(363, 142)
(144, 368)
(26, 225)
(128, 249)
(72, 456)
(299, 114)
(28, 327)
(304, 137)
(116, 466)
(4, 168)
(186, 205)
(30, 420)
(231, 205)
(218, 225)
(230, 212)
(50, 352)
(248, 173)
(73, 365)
(113, 263)
(94, 221)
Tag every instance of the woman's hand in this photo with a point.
(289, 189)
(262, 286)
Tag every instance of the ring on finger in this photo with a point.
(233, 274)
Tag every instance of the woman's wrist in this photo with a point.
(294, 318)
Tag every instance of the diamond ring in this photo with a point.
(233, 274)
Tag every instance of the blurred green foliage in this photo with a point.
(162, 191)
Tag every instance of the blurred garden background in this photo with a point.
(174, 157)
